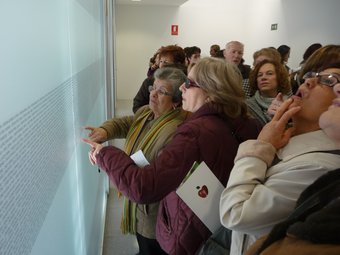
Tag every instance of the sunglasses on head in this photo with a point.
(190, 83)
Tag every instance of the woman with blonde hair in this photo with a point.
(219, 120)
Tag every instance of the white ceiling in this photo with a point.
(153, 2)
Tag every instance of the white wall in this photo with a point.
(52, 85)
(142, 30)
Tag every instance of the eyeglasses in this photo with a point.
(329, 80)
(159, 91)
(190, 83)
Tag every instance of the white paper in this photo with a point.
(205, 204)
(139, 158)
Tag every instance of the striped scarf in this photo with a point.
(134, 143)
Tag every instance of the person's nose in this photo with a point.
(154, 93)
(310, 82)
(264, 77)
(182, 87)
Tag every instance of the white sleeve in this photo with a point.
(246, 199)
(257, 198)
(240, 200)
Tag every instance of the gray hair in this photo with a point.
(173, 76)
(234, 42)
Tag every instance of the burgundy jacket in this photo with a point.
(204, 136)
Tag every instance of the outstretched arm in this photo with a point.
(95, 149)
(97, 134)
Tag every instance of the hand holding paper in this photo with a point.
(139, 158)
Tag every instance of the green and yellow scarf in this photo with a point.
(134, 143)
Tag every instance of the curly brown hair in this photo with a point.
(282, 76)
(175, 51)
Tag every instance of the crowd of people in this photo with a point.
(273, 147)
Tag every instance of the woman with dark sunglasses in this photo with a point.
(219, 121)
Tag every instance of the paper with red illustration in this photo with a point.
(201, 191)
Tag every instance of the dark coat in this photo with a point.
(143, 95)
(245, 70)
(205, 136)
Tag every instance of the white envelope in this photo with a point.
(139, 159)
(201, 191)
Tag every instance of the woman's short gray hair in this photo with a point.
(173, 76)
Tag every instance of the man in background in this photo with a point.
(234, 53)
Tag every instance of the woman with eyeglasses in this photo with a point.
(149, 130)
(271, 172)
(314, 225)
(218, 122)
(167, 55)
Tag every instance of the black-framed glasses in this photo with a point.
(329, 79)
(159, 91)
(190, 83)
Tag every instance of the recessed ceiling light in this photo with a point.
(136, 0)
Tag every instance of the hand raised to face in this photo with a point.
(277, 132)
(276, 103)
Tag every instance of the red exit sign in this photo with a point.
(174, 29)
